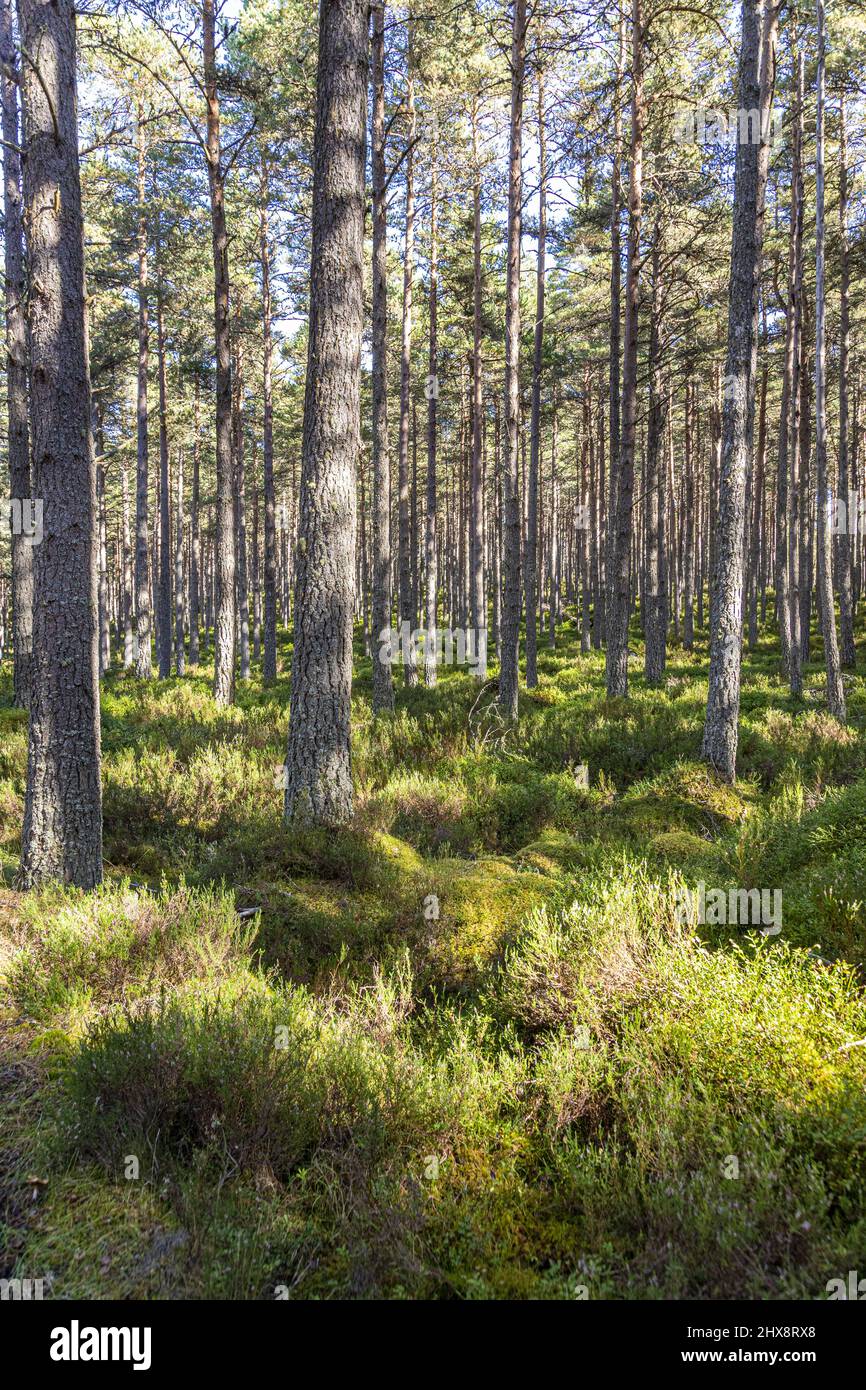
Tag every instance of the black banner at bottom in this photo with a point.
(82, 1340)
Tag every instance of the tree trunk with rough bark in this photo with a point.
(511, 528)
(619, 593)
(843, 540)
(224, 617)
(62, 836)
(143, 611)
(738, 415)
(431, 575)
(238, 446)
(269, 650)
(318, 765)
(163, 636)
(795, 665)
(383, 683)
(835, 689)
(614, 402)
(478, 597)
(179, 648)
(404, 502)
(656, 624)
(194, 536)
(128, 645)
(531, 557)
(16, 362)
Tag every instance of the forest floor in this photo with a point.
(465, 1049)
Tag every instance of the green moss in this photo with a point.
(680, 846)
(481, 907)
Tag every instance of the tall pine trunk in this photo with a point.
(238, 445)
(654, 496)
(431, 575)
(163, 636)
(614, 418)
(62, 837)
(224, 617)
(619, 596)
(383, 684)
(835, 689)
(531, 556)
(179, 612)
(16, 362)
(738, 415)
(843, 540)
(143, 610)
(510, 617)
(318, 767)
(194, 538)
(476, 560)
(269, 657)
(405, 518)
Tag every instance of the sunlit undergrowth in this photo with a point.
(469, 1048)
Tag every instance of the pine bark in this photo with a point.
(654, 497)
(431, 575)
(16, 362)
(179, 611)
(511, 528)
(163, 636)
(614, 403)
(531, 557)
(194, 535)
(479, 601)
(835, 688)
(224, 617)
(726, 600)
(318, 765)
(269, 654)
(240, 497)
(404, 499)
(383, 684)
(143, 611)
(62, 836)
(843, 540)
(619, 594)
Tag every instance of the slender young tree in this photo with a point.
(843, 540)
(656, 624)
(826, 608)
(16, 361)
(383, 684)
(404, 501)
(619, 587)
(269, 652)
(531, 546)
(478, 605)
(508, 672)
(531, 567)
(194, 539)
(163, 606)
(143, 616)
(62, 837)
(614, 421)
(179, 611)
(795, 656)
(224, 558)
(782, 569)
(318, 765)
(431, 571)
